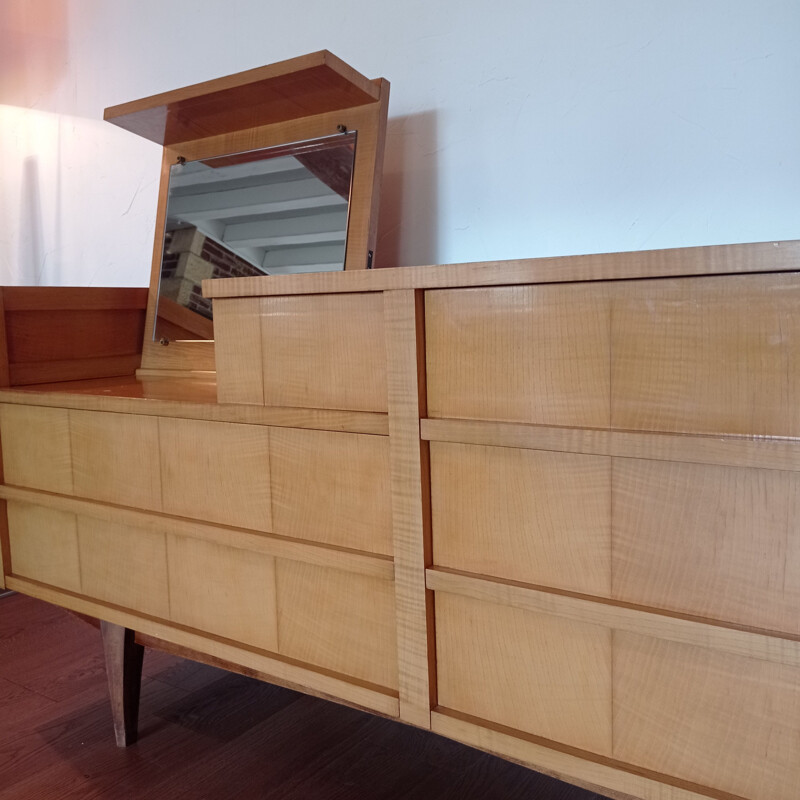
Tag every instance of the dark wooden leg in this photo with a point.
(124, 669)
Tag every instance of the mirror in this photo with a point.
(272, 211)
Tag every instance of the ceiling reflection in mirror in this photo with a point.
(274, 211)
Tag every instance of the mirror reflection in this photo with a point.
(265, 212)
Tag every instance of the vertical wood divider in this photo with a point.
(410, 487)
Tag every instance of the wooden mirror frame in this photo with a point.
(302, 98)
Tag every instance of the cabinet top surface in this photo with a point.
(688, 261)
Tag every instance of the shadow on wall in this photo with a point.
(31, 235)
(33, 50)
(408, 219)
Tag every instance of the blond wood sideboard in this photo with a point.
(549, 508)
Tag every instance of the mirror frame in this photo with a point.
(303, 98)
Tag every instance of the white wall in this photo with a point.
(517, 128)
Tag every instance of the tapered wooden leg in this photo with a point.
(124, 670)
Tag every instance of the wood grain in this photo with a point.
(226, 591)
(781, 256)
(278, 670)
(324, 352)
(240, 367)
(723, 721)
(411, 514)
(481, 364)
(115, 458)
(36, 448)
(734, 451)
(216, 471)
(751, 644)
(44, 545)
(308, 552)
(716, 542)
(600, 776)
(123, 565)
(703, 355)
(525, 515)
(296, 87)
(338, 621)
(331, 488)
(190, 397)
(525, 670)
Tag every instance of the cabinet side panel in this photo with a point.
(324, 351)
(723, 721)
(539, 674)
(708, 541)
(524, 515)
(338, 621)
(237, 345)
(537, 354)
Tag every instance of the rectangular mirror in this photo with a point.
(272, 211)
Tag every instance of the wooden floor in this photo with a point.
(208, 734)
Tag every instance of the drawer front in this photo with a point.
(535, 354)
(688, 355)
(115, 458)
(338, 621)
(711, 541)
(703, 540)
(36, 447)
(526, 515)
(707, 355)
(216, 471)
(720, 720)
(309, 351)
(124, 565)
(223, 590)
(332, 488)
(539, 674)
(727, 722)
(44, 545)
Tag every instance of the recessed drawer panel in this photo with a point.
(115, 458)
(44, 545)
(720, 720)
(539, 674)
(124, 565)
(309, 351)
(707, 355)
(223, 590)
(536, 354)
(216, 471)
(338, 621)
(331, 488)
(709, 541)
(525, 515)
(36, 447)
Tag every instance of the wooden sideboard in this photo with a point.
(549, 508)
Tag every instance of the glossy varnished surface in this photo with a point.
(298, 87)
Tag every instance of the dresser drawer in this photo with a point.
(535, 354)
(525, 515)
(308, 351)
(688, 355)
(532, 672)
